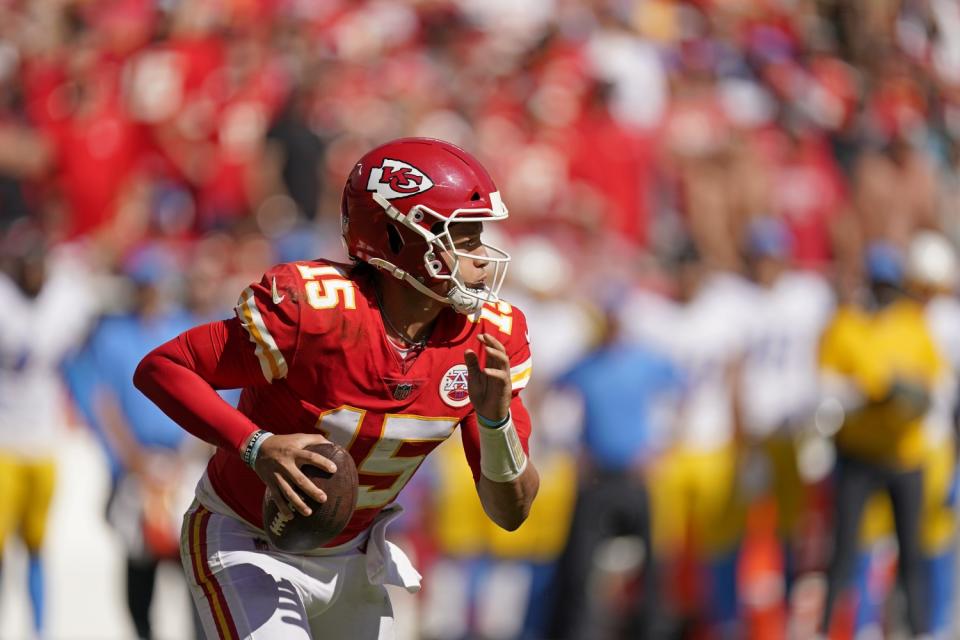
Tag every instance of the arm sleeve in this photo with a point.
(830, 349)
(181, 376)
(517, 343)
(255, 348)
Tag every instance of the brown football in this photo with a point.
(302, 533)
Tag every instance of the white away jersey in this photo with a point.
(943, 318)
(37, 334)
(704, 338)
(780, 368)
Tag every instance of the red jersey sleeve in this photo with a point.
(181, 376)
(259, 346)
(269, 311)
(510, 327)
(517, 342)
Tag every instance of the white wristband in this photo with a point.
(501, 455)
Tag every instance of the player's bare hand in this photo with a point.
(489, 385)
(278, 465)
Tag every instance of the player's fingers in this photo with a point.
(497, 358)
(274, 495)
(316, 460)
(471, 360)
(489, 340)
(292, 497)
(278, 494)
(305, 484)
(498, 374)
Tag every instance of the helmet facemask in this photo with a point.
(463, 298)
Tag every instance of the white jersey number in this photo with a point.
(327, 288)
(396, 454)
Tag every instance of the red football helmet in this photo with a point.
(397, 208)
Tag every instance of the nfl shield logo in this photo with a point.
(402, 390)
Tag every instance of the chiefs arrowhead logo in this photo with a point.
(397, 179)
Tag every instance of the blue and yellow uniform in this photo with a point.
(39, 329)
(890, 358)
(874, 351)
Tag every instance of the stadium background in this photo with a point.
(187, 146)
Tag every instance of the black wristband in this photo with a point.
(250, 450)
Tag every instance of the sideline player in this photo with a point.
(694, 497)
(49, 306)
(931, 278)
(780, 387)
(880, 362)
(385, 357)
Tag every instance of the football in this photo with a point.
(299, 533)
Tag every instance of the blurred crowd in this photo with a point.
(733, 226)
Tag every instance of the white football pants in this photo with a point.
(244, 588)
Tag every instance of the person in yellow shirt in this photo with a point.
(881, 365)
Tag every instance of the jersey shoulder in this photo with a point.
(508, 324)
(294, 300)
(505, 322)
(322, 289)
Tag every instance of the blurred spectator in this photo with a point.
(619, 386)
(151, 473)
(932, 276)
(779, 392)
(49, 304)
(696, 502)
(615, 128)
(881, 366)
(300, 152)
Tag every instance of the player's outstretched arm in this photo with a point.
(182, 376)
(508, 481)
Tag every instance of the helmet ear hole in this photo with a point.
(475, 196)
(394, 239)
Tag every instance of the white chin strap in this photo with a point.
(461, 301)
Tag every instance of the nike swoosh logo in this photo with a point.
(277, 298)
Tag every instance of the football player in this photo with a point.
(932, 271)
(931, 277)
(780, 388)
(47, 293)
(880, 363)
(387, 357)
(694, 497)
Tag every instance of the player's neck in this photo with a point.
(408, 314)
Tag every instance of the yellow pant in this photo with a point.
(26, 489)
(938, 521)
(786, 483)
(544, 534)
(463, 529)
(696, 492)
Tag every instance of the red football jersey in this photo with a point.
(321, 344)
